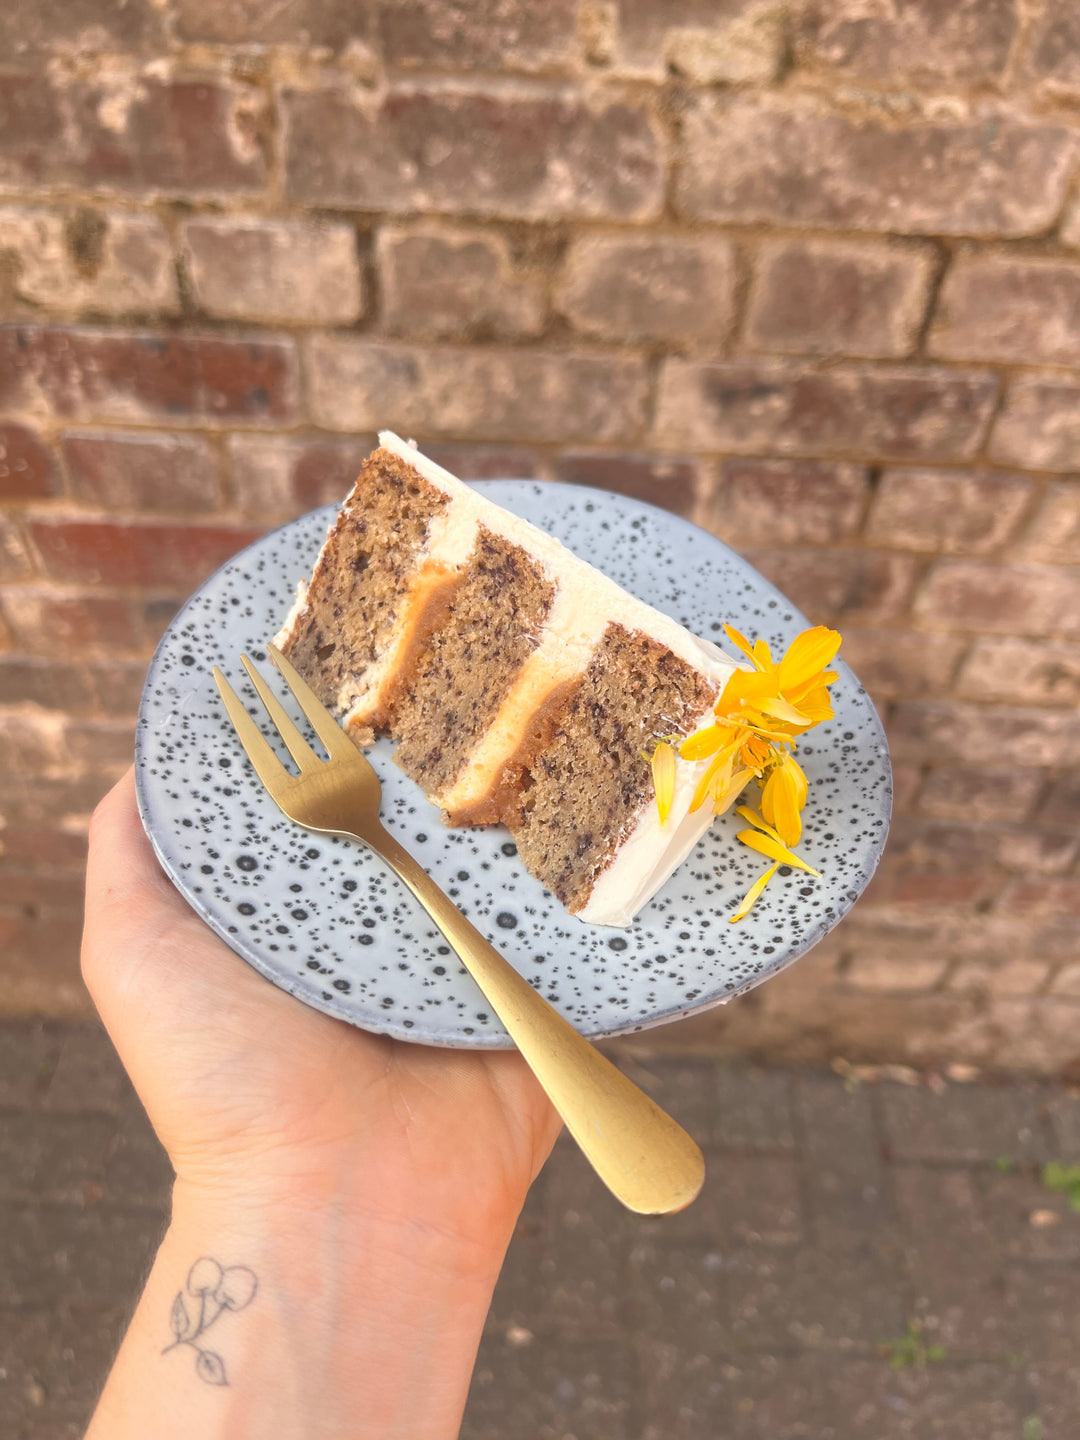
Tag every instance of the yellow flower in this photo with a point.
(757, 719)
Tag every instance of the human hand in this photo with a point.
(258, 1097)
(362, 1189)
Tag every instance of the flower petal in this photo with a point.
(757, 821)
(807, 654)
(741, 643)
(779, 709)
(792, 766)
(745, 687)
(704, 743)
(750, 898)
(735, 786)
(780, 804)
(767, 846)
(718, 771)
(663, 774)
(817, 705)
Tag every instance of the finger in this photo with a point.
(138, 931)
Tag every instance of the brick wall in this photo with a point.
(806, 273)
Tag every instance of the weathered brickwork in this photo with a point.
(805, 273)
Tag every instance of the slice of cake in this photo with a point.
(521, 686)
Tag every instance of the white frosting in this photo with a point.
(652, 851)
(593, 591)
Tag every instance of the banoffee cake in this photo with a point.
(520, 685)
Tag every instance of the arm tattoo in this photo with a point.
(211, 1290)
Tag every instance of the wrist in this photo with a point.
(272, 1319)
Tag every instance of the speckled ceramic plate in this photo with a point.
(324, 919)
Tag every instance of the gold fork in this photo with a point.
(648, 1161)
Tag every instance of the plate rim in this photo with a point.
(489, 1040)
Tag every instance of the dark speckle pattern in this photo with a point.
(324, 919)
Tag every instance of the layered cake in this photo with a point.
(520, 685)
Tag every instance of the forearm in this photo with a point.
(357, 1328)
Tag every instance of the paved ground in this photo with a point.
(869, 1260)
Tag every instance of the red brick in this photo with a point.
(50, 684)
(956, 792)
(858, 587)
(485, 35)
(16, 557)
(31, 740)
(902, 663)
(1062, 806)
(1003, 598)
(982, 735)
(787, 502)
(40, 845)
(1054, 536)
(1045, 895)
(111, 375)
(279, 475)
(1039, 424)
(659, 287)
(702, 41)
(838, 298)
(1022, 671)
(999, 308)
(158, 612)
(484, 462)
(105, 746)
(128, 25)
(520, 395)
(1038, 852)
(998, 936)
(934, 864)
(1016, 977)
(669, 483)
(748, 407)
(906, 782)
(84, 259)
(952, 512)
(41, 975)
(274, 270)
(30, 125)
(1054, 48)
(1067, 982)
(117, 685)
(136, 553)
(776, 160)
(129, 132)
(302, 24)
(887, 974)
(920, 41)
(541, 155)
(27, 471)
(141, 471)
(49, 800)
(49, 622)
(455, 283)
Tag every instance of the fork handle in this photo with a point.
(644, 1158)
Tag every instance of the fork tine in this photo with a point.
(337, 743)
(297, 746)
(267, 766)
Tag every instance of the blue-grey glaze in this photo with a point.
(325, 920)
